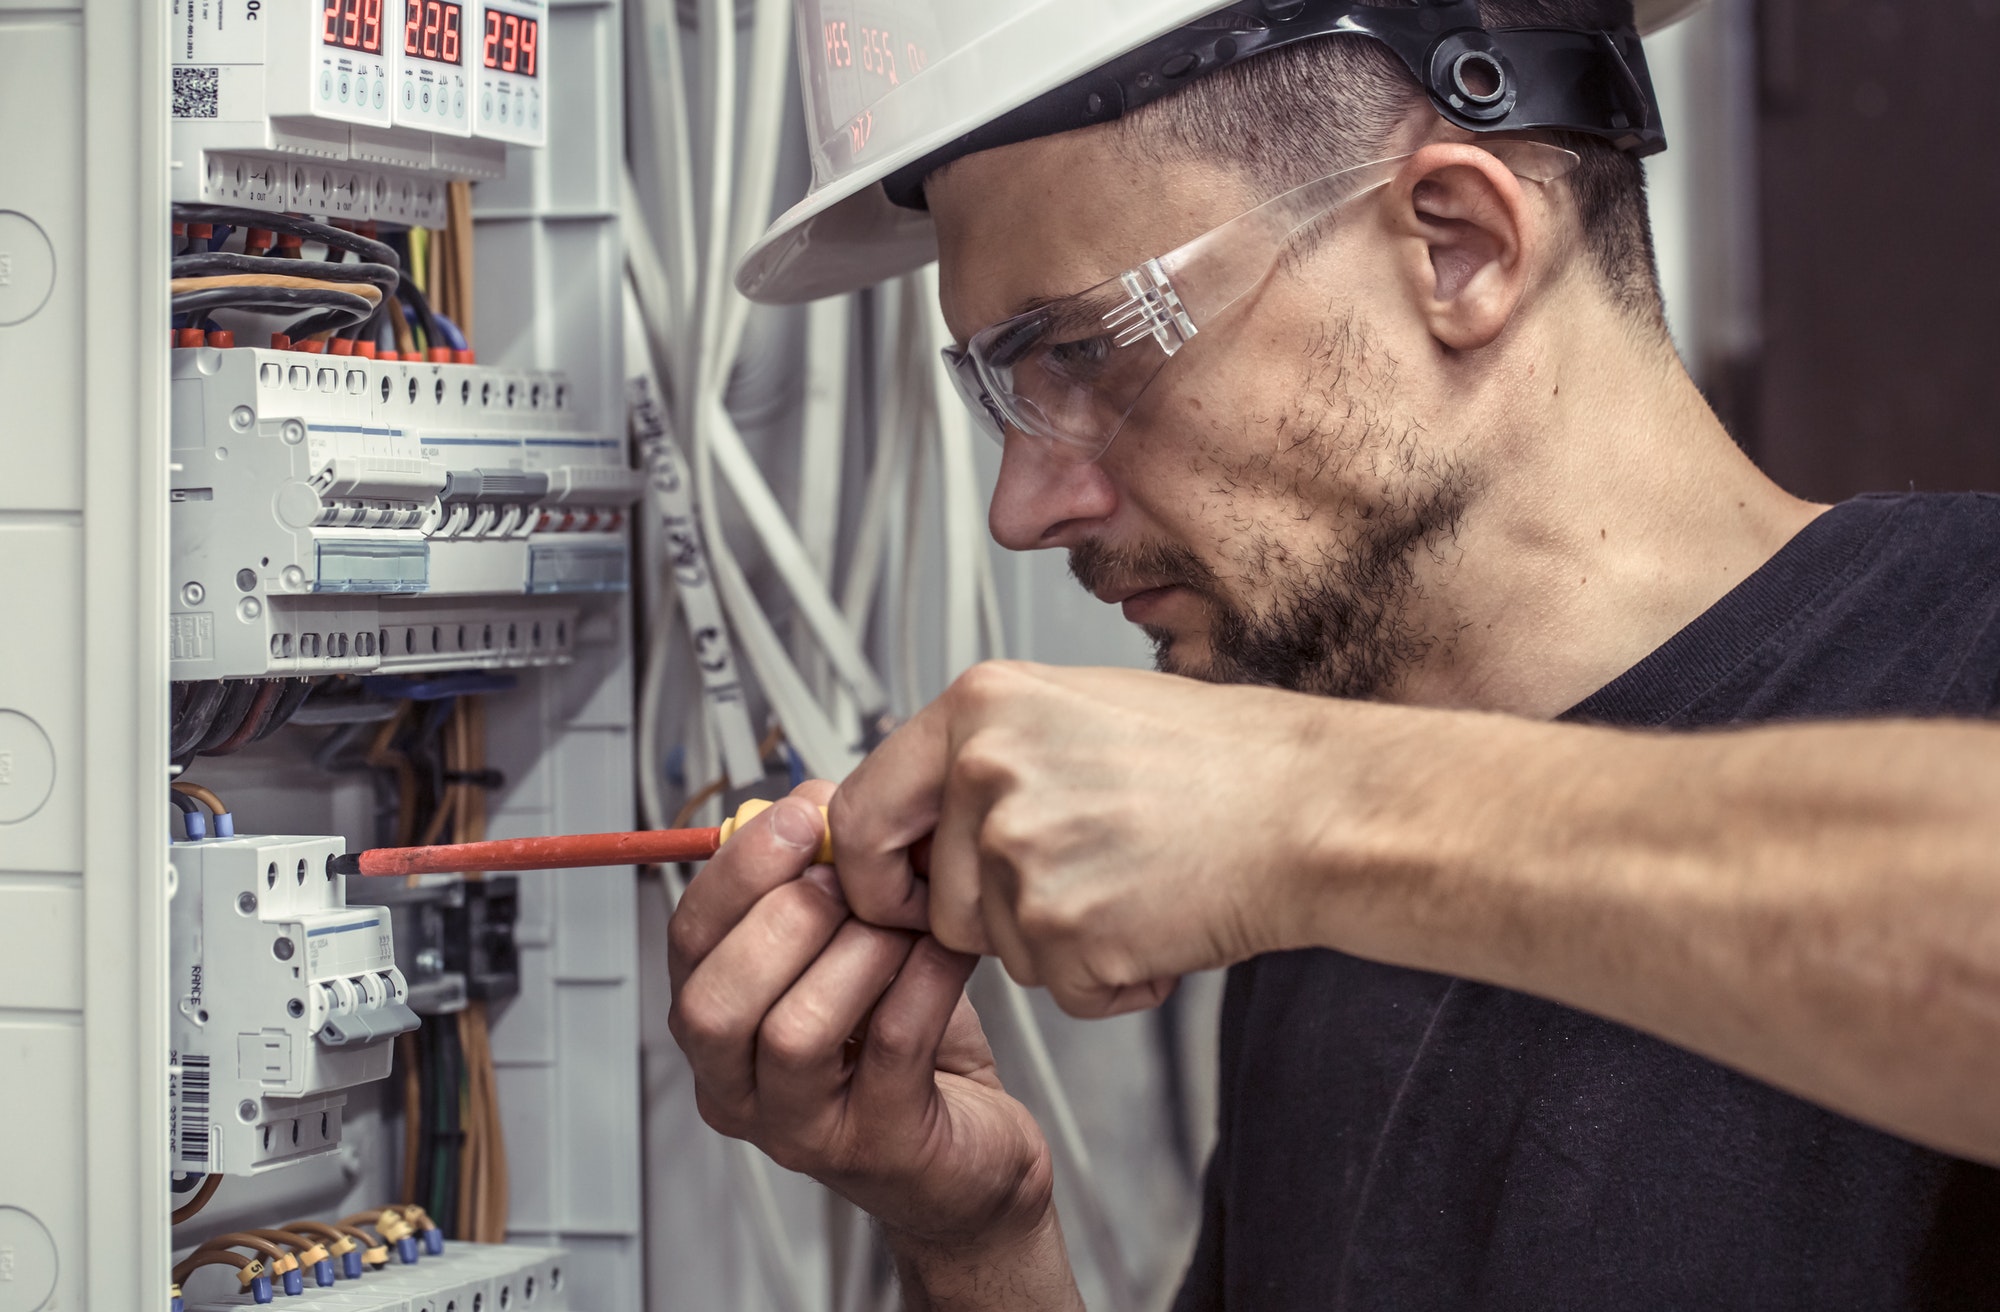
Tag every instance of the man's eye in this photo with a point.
(1080, 358)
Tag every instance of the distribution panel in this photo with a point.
(337, 514)
(283, 997)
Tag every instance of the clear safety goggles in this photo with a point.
(1069, 373)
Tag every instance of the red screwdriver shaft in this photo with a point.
(646, 847)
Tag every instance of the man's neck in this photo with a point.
(1619, 512)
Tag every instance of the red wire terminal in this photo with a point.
(222, 339)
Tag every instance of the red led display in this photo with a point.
(352, 25)
(511, 42)
(432, 29)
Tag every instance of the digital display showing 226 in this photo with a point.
(352, 25)
(433, 29)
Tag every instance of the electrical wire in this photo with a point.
(342, 307)
(382, 277)
(342, 239)
(254, 719)
(186, 1211)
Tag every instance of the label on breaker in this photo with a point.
(187, 1110)
(349, 946)
(218, 56)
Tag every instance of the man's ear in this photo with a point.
(1467, 237)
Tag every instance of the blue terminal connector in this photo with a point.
(406, 1250)
(178, 1305)
(295, 1282)
(225, 825)
(323, 1272)
(350, 1264)
(434, 1240)
(260, 1289)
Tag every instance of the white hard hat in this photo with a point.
(896, 88)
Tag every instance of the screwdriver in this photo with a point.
(639, 847)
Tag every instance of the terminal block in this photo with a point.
(337, 514)
(283, 997)
(465, 1277)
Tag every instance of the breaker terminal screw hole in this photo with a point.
(323, 1126)
(295, 1008)
(386, 385)
(478, 1302)
(302, 871)
(413, 391)
(246, 903)
(555, 1278)
(506, 1297)
(271, 875)
(246, 580)
(440, 391)
(284, 947)
(465, 392)
(246, 1111)
(329, 868)
(528, 1290)
(201, 1017)
(267, 1136)
(295, 1134)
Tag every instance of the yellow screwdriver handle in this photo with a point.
(750, 810)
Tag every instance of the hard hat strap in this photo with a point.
(1513, 79)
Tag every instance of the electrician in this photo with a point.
(1324, 336)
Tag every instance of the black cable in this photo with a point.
(229, 717)
(336, 238)
(197, 718)
(383, 277)
(433, 336)
(342, 308)
(293, 697)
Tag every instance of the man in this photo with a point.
(1438, 451)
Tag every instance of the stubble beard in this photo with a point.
(1340, 624)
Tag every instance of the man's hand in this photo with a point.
(848, 1052)
(1102, 832)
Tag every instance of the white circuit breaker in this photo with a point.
(352, 109)
(282, 997)
(346, 515)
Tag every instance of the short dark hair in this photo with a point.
(1306, 110)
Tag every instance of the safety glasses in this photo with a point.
(1068, 374)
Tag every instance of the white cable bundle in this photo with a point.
(823, 689)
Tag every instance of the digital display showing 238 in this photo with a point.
(352, 25)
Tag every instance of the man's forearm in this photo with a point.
(1031, 1271)
(1816, 906)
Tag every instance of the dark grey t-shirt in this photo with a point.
(1403, 1141)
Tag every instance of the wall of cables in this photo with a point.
(838, 572)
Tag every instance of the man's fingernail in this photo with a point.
(794, 828)
(823, 878)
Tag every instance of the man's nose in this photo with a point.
(1043, 500)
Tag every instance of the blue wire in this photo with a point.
(451, 332)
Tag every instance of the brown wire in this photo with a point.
(200, 1200)
(475, 1139)
(247, 1239)
(206, 797)
(299, 1244)
(413, 1113)
(367, 291)
(331, 1233)
(202, 1257)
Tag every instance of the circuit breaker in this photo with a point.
(337, 514)
(283, 996)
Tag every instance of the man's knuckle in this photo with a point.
(792, 1040)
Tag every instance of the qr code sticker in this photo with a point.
(195, 91)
